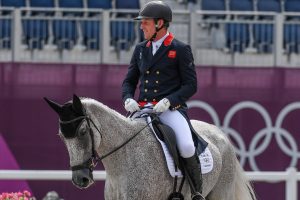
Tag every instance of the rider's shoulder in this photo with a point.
(179, 44)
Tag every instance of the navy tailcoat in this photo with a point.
(169, 73)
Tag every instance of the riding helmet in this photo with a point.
(155, 10)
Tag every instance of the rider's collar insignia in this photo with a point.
(168, 39)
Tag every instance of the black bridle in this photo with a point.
(92, 162)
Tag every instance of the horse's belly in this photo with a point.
(140, 189)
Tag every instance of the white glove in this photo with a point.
(162, 105)
(131, 105)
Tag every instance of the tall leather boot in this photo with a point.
(194, 176)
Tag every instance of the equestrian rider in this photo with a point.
(164, 68)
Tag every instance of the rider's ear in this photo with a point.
(55, 106)
(77, 106)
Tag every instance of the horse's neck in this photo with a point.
(115, 129)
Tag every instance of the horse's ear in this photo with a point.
(55, 106)
(77, 106)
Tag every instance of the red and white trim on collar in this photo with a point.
(166, 42)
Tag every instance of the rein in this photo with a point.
(129, 139)
(95, 158)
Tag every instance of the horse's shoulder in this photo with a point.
(137, 122)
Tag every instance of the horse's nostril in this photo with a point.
(85, 181)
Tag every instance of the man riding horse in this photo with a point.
(164, 68)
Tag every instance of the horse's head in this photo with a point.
(76, 132)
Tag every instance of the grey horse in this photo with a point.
(133, 158)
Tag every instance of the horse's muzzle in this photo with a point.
(82, 178)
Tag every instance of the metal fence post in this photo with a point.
(105, 37)
(291, 192)
(192, 29)
(278, 39)
(16, 35)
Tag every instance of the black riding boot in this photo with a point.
(194, 176)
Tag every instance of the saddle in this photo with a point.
(175, 163)
(166, 134)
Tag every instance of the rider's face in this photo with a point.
(148, 27)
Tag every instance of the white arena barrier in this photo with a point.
(290, 177)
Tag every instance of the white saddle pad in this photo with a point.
(205, 157)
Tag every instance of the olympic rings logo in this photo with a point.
(281, 135)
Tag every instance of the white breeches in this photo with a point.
(180, 126)
(184, 138)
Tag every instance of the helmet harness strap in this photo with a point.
(156, 30)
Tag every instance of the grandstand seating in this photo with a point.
(216, 5)
(123, 32)
(132, 4)
(292, 5)
(13, 3)
(105, 4)
(292, 38)
(91, 34)
(70, 3)
(238, 37)
(291, 31)
(213, 5)
(42, 4)
(264, 33)
(237, 34)
(91, 29)
(6, 24)
(5, 33)
(269, 5)
(263, 37)
(35, 33)
(75, 4)
(87, 26)
(65, 33)
(241, 5)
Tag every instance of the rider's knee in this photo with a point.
(187, 150)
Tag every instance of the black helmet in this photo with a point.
(155, 10)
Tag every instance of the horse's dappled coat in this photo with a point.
(138, 169)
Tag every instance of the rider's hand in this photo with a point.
(131, 105)
(162, 105)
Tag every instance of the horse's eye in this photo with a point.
(82, 132)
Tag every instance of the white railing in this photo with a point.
(290, 176)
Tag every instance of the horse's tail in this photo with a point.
(243, 187)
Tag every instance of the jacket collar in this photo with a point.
(168, 39)
(166, 42)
